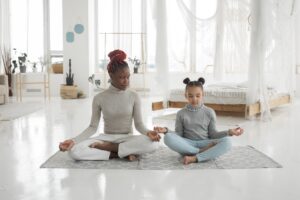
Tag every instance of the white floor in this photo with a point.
(25, 143)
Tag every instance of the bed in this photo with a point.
(230, 99)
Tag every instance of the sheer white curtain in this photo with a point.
(198, 20)
(122, 23)
(27, 27)
(4, 27)
(256, 81)
(222, 39)
(4, 23)
(272, 53)
(120, 27)
(254, 42)
(232, 40)
(161, 51)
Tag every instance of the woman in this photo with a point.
(119, 106)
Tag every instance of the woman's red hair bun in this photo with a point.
(117, 55)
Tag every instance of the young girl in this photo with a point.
(195, 136)
(119, 106)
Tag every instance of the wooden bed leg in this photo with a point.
(246, 111)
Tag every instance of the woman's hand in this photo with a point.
(160, 129)
(154, 136)
(236, 131)
(66, 145)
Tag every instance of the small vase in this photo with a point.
(23, 69)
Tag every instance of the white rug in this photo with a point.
(242, 157)
(11, 111)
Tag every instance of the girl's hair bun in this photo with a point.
(117, 55)
(186, 81)
(201, 80)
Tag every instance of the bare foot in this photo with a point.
(113, 155)
(106, 146)
(133, 157)
(189, 159)
(96, 145)
(207, 147)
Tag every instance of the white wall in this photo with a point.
(79, 51)
(297, 35)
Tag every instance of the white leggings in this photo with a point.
(128, 145)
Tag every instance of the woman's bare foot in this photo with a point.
(207, 147)
(96, 145)
(106, 146)
(113, 155)
(133, 157)
(189, 159)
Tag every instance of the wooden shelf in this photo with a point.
(20, 82)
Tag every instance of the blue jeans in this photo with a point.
(186, 146)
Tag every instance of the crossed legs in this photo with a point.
(125, 147)
(197, 150)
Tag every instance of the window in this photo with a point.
(205, 43)
(27, 28)
(27, 31)
(56, 26)
(191, 35)
(178, 39)
(56, 31)
(120, 26)
(115, 18)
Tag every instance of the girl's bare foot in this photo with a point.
(207, 147)
(133, 157)
(189, 159)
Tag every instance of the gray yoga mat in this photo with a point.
(239, 157)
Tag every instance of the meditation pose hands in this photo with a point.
(231, 132)
(160, 129)
(66, 145)
(154, 136)
(237, 131)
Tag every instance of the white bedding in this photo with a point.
(221, 94)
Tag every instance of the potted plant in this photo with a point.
(136, 64)
(6, 60)
(22, 62)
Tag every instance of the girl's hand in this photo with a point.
(160, 129)
(236, 131)
(154, 136)
(66, 145)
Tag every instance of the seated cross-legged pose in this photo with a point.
(119, 106)
(195, 136)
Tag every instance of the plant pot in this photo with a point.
(135, 70)
(23, 69)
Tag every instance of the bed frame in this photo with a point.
(238, 109)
